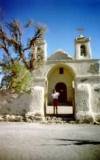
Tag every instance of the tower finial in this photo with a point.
(80, 30)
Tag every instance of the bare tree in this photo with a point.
(11, 37)
(17, 57)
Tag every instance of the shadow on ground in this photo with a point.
(76, 142)
(67, 142)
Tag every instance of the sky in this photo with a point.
(62, 18)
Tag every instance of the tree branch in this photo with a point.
(15, 41)
(2, 64)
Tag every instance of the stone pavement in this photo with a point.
(34, 141)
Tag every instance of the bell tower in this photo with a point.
(82, 47)
(40, 51)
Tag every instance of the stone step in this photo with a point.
(61, 110)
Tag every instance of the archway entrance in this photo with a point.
(61, 78)
(62, 89)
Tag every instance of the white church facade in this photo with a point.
(77, 79)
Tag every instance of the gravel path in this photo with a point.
(34, 141)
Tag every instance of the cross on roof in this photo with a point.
(80, 30)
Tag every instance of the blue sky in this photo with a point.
(62, 18)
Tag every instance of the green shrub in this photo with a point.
(17, 78)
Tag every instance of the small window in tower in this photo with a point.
(83, 50)
(39, 48)
(61, 70)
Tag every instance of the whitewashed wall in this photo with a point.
(23, 103)
(87, 98)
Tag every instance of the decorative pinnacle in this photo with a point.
(80, 30)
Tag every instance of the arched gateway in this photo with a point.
(61, 78)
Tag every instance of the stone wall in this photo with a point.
(14, 103)
(87, 98)
(21, 104)
(95, 100)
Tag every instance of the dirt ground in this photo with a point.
(34, 141)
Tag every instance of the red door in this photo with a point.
(62, 89)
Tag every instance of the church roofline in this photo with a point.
(74, 61)
(59, 54)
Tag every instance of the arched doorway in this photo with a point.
(62, 82)
(62, 89)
